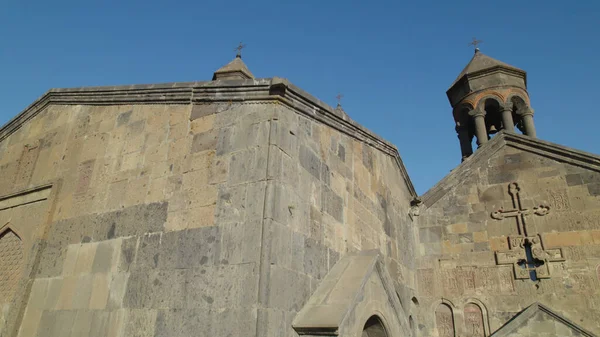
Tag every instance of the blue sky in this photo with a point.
(392, 60)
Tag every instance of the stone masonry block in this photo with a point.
(243, 135)
(280, 238)
(85, 258)
(203, 110)
(231, 204)
(282, 167)
(333, 204)
(310, 162)
(39, 291)
(430, 234)
(100, 324)
(148, 251)
(139, 289)
(218, 287)
(82, 292)
(205, 141)
(284, 137)
(82, 324)
(315, 259)
(594, 189)
(168, 289)
(248, 165)
(70, 259)
(140, 323)
(117, 289)
(128, 253)
(54, 289)
(52, 259)
(202, 124)
(199, 247)
(99, 295)
(288, 290)
(239, 242)
(103, 260)
(255, 200)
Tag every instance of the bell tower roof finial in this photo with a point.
(234, 70)
(238, 50)
(475, 43)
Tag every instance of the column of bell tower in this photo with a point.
(489, 96)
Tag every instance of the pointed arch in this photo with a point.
(12, 259)
(9, 227)
(374, 327)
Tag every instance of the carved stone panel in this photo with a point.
(474, 321)
(11, 264)
(559, 200)
(425, 277)
(85, 171)
(444, 321)
(26, 164)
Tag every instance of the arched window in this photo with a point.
(474, 326)
(374, 328)
(11, 264)
(444, 321)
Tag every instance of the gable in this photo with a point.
(507, 154)
(539, 320)
(517, 222)
(356, 289)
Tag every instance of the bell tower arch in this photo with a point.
(486, 97)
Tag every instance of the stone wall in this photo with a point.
(154, 224)
(466, 257)
(180, 219)
(328, 194)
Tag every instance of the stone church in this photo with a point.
(244, 206)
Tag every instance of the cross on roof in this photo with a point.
(238, 49)
(475, 43)
(339, 99)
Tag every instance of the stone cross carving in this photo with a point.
(238, 49)
(518, 211)
(526, 253)
(475, 43)
(529, 258)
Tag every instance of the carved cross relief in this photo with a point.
(526, 252)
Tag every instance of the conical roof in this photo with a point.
(235, 69)
(480, 62)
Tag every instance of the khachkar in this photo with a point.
(527, 254)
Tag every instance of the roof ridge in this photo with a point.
(525, 143)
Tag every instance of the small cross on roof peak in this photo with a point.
(238, 50)
(475, 43)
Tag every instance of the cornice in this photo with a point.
(251, 90)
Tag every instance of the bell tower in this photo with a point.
(489, 96)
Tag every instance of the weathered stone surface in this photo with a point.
(222, 208)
